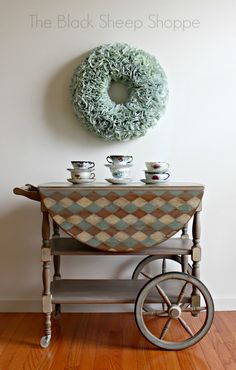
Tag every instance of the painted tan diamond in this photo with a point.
(176, 202)
(112, 219)
(102, 236)
(139, 202)
(157, 236)
(84, 202)
(158, 202)
(166, 219)
(139, 236)
(121, 202)
(75, 219)
(183, 219)
(130, 219)
(194, 202)
(66, 202)
(58, 219)
(102, 202)
(49, 202)
(84, 236)
(148, 219)
(121, 236)
(93, 219)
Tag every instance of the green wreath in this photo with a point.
(146, 83)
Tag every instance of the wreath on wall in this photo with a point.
(144, 79)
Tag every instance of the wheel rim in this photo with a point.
(179, 329)
(139, 268)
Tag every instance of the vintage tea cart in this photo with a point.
(173, 310)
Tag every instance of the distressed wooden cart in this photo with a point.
(173, 310)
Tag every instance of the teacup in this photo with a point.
(151, 177)
(119, 159)
(120, 173)
(79, 175)
(157, 167)
(83, 164)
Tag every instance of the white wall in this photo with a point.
(39, 134)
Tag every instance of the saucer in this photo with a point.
(158, 172)
(81, 169)
(81, 181)
(151, 182)
(118, 165)
(119, 181)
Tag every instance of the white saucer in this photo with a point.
(152, 182)
(129, 165)
(155, 172)
(81, 181)
(119, 181)
(81, 169)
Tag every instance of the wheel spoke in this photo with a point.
(181, 294)
(163, 295)
(163, 265)
(146, 275)
(191, 309)
(166, 328)
(154, 313)
(186, 327)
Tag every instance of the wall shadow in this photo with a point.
(59, 115)
(20, 252)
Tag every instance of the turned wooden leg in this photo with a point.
(46, 259)
(57, 264)
(184, 234)
(184, 263)
(56, 259)
(196, 256)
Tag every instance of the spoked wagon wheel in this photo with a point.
(174, 327)
(147, 269)
(141, 273)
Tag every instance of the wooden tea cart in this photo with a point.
(173, 310)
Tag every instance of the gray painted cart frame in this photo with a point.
(170, 295)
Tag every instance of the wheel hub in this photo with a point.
(174, 311)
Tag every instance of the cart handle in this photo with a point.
(28, 191)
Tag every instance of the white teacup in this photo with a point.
(119, 159)
(157, 167)
(80, 175)
(151, 177)
(82, 165)
(120, 173)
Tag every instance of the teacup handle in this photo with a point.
(92, 165)
(168, 175)
(92, 175)
(109, 160)
(131, 160)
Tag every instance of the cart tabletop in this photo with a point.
(121, 218)
(133, 185)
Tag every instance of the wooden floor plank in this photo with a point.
(93, 341)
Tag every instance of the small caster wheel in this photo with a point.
(45, 341)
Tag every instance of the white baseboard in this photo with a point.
(221, 304)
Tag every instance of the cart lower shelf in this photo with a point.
(108, 291)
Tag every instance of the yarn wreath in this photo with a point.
(144, 79)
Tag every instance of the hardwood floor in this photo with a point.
(108, 342)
